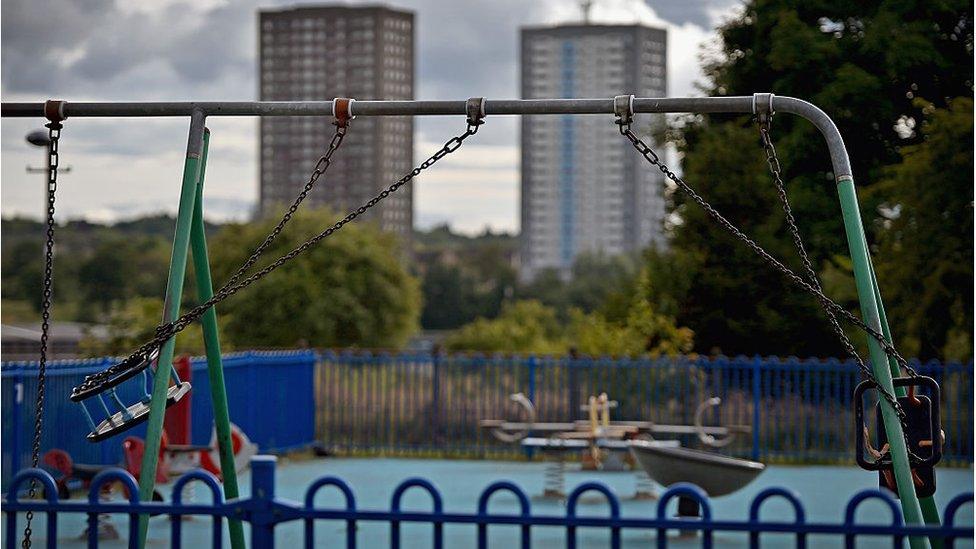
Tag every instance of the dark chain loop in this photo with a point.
(166, 331)
(794, 278)
(54, 134)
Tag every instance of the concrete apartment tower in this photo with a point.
(583, 189)
(322, 52)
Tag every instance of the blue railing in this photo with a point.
(264, 511)
(800, 410)
(270, 400)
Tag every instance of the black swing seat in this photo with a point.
(923, 431)
(130, 367)
(138, 413)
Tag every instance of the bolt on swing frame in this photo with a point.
(189, 232)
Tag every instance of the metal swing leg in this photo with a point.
(880, 364)
(211, 339)
(171, 309)
(930, 511)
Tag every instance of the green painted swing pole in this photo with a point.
(870, 311)
(930, 511)
(171, 310)
(211, 340)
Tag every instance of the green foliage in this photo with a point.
(596, 281)
(96, 267)
(864, 63)
(927, 236)
(530, 326)
(133, 323)
(643, 332)
(463, 278)
(522, 327)
(349, 290)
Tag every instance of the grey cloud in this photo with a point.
(690, 11)
(97, 50)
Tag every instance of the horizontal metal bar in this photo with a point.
(737, 104)
(382, 108)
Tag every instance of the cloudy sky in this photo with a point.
(103, 50)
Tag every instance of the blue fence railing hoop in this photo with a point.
(265, 511)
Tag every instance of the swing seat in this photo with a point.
(130, 368)
(137, 413)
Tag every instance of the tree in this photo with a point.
(926, 236)
(864, 63)
(642, 332)
(348, 290)
(522, 327)
(103, 277)
(595, 279)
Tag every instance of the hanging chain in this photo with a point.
(166, 331)
(795, 279)
(772, 159)
(320, 168)
(54, 134)
(775, 169)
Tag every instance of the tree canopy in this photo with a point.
(350, 290)
(866, 64)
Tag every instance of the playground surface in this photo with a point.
(824, 490)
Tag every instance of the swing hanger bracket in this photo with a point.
(623, 109)
(342, 111)
(54, 110)
(762, 107)
(475, 110)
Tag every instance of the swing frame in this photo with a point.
(189, 237)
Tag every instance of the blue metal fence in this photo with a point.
(270, 400)
(801, 410)
(263, 512)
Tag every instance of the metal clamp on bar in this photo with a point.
(54, 110)
(342, 111)
(475, 109)
(762, 106)
(623, 109)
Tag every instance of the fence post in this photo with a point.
(756, 404)
(15, 420)
(532, 364)
(573, 379)
(435, 394)
(262, 496)
(530, 452)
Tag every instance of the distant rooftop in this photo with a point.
(334, 7)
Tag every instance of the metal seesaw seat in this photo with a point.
(716, 474)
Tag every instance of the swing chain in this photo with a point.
(776, 170)
(653, 158)
(166, 331)
(54, 134)
(320, 168)
(772, 159)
